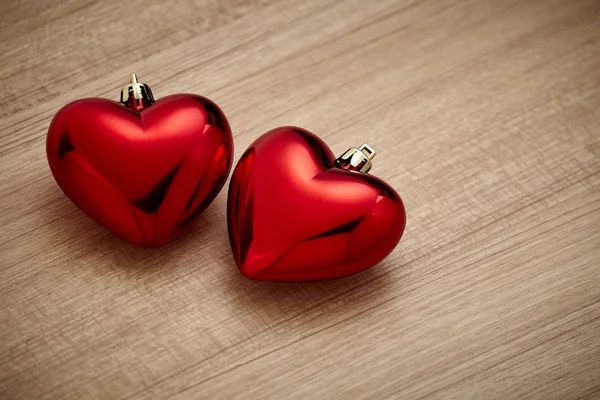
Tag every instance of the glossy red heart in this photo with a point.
(293, 216)
(142, 174)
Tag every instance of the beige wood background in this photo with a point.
(486, 118)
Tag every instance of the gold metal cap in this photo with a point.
(356, 159)
(136, 95)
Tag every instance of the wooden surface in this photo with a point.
(485, 115)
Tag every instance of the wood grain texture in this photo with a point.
(485, 115)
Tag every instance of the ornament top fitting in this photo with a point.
(136, 95)
(356, 159)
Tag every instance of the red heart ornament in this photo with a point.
(141, 170)
(296, 214)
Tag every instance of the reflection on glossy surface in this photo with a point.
(293, 216)
(141, 173)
